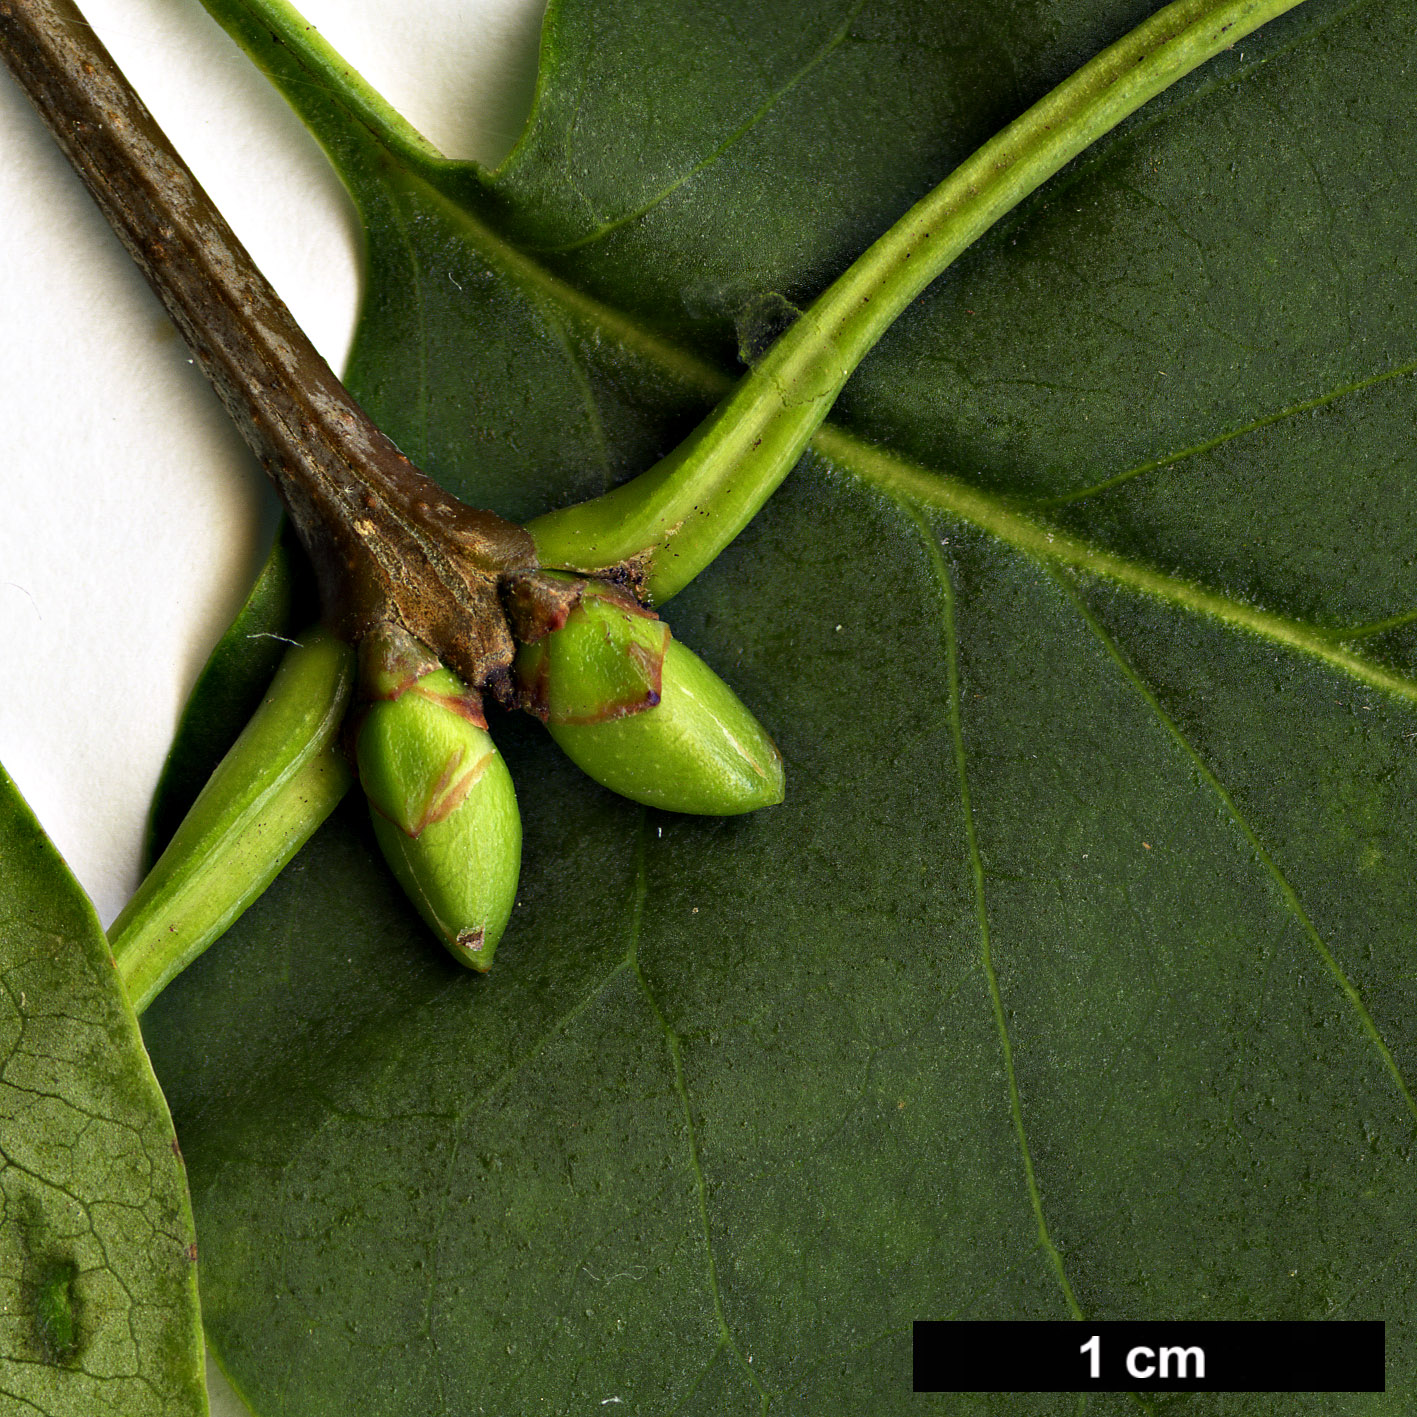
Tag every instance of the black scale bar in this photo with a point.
(1208, 1356)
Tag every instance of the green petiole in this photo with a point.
(670, 522)
(283, 776)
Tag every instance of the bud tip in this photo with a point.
(468, 944)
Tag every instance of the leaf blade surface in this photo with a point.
(97, 1253)
(1130, 1021)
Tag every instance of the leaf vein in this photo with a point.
(902, 480)
(674, 1044)
(1005, 520)
(420, 305)
(819, 57)
(1287, 892)
(1268, 420)
(580, 378)
(981, 911)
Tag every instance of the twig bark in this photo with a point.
(388, 544)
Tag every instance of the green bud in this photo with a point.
(643, 715)
(443, 806)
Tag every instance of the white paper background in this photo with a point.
(133, 518)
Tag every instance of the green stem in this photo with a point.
(300, 39)
(281, 779)
(672, 520)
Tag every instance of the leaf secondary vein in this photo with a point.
(981, 912)
(1207, 445)
(676, 1057)
(675, 517)
(420, 304)
(824, 51)
(1000, 518)
(1290, 896)
(904, 481)
(576, 369)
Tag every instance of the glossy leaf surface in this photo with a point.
(1074, 975)
(97, 1253)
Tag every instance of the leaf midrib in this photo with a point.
(909, 484)
(390, 162)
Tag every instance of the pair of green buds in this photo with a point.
(629, 705)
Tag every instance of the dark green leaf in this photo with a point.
(1074, 976)
(97, 1255)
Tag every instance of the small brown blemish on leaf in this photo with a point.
(192, 1252)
